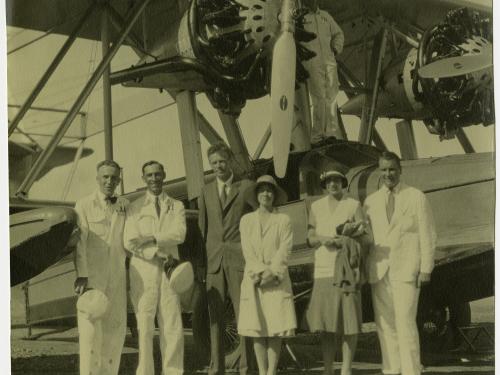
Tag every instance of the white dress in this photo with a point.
(266, 311)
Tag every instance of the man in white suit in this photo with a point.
(155, 225)
(100, 268)
(400, 262)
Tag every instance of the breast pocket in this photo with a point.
(98, 225)
(146, 224)
(408, 223)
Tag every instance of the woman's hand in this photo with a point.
(268, 278)
(328, 241)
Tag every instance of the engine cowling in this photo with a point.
(443, 104)
(462, 100)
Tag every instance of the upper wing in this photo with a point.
(61, 16)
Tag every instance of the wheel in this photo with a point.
(232, 344)
(432, 324)
(439, 326)
(232, 341)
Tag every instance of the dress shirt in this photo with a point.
(224, 184)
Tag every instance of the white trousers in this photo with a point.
(152, 296)
(395, 305)
(323, 89)
(101, 341)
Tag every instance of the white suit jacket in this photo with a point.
(405, 246)
(99, 252)
(169, 230)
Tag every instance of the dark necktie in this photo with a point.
(390, 205)
(157, 206)
(223, 195)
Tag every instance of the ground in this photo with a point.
(57, 353)
(52, 352)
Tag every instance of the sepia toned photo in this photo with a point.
(251, 186)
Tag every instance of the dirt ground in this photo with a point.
(51, 352)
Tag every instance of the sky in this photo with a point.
(151, 136)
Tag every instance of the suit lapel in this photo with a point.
(213, 196)
(233, 193)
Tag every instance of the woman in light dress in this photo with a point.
(333, 311)
(267, 312)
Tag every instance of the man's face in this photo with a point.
(391, 172)
(153, 176)
(108, 178)
(220, 165)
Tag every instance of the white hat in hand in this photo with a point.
(182, 277)
(93, 303)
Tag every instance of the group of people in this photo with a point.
(389, 242)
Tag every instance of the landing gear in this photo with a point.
(232, 341)
(439, 326)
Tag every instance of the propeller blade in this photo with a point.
(282, 99)
(456, 66)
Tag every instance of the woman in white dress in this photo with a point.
(333, 311)
(267, 312)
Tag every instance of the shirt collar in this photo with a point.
(228, 182)
(150, 198)
(101, 197)
(395, 189)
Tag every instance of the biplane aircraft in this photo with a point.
(429, 61)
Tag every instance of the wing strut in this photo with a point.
(191, 146)
(406, 140)
(464, 141)
(63, 128)
(106, 88)
(50, 70)
(368, 115)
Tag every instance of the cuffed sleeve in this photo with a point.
(81, 247)
(130, 232)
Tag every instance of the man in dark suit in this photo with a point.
(221, 206)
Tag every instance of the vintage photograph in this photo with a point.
(251, 186)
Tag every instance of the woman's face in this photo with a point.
(265, 195)
(334, 186)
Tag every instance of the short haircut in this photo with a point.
(388, 155)
(152, 162)
(108, 163)
(219, 147)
